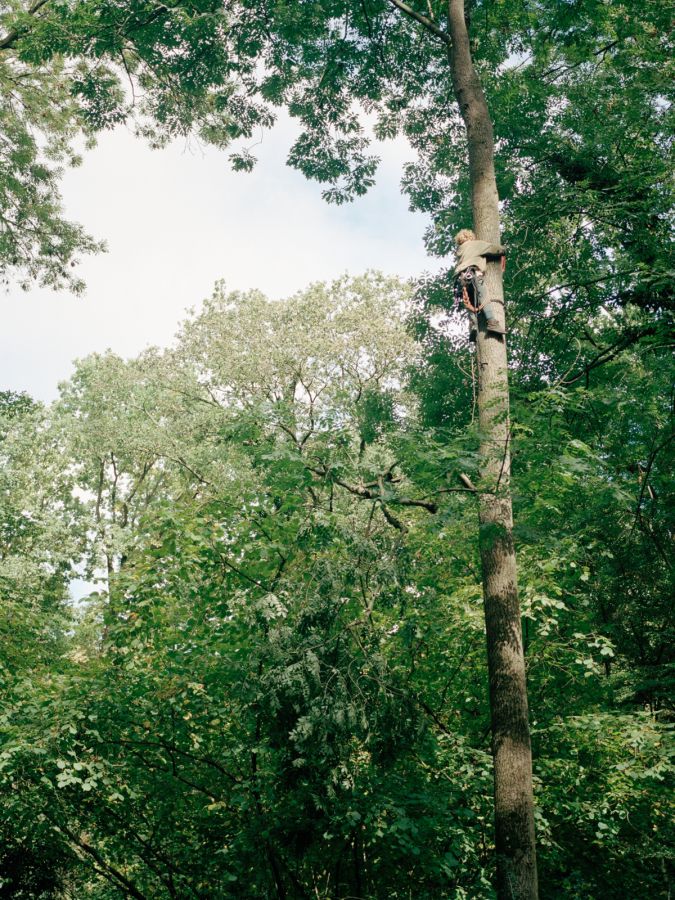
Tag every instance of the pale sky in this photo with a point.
(177, 220)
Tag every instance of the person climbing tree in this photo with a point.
(470, 287)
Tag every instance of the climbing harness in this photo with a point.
(465, 280)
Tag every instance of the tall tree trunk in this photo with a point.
(514, 808)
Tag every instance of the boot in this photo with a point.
(473, 334)
(494, 326)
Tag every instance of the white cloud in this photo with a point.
(175, 221)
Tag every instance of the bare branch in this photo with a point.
(391, 518)
(466, 481)
(202, 760)
(609, 353)
(106, 869)
(423, 20)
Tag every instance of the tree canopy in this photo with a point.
(580, 94)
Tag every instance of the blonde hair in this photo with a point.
(466, 234)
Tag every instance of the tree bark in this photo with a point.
(514, 806)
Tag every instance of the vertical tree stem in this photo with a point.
(514, 806)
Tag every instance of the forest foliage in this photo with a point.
(278, 687)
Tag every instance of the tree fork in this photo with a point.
(514, 804)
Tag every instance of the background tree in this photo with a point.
(286, 691)
(40, 541)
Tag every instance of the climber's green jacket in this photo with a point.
(473, 253)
